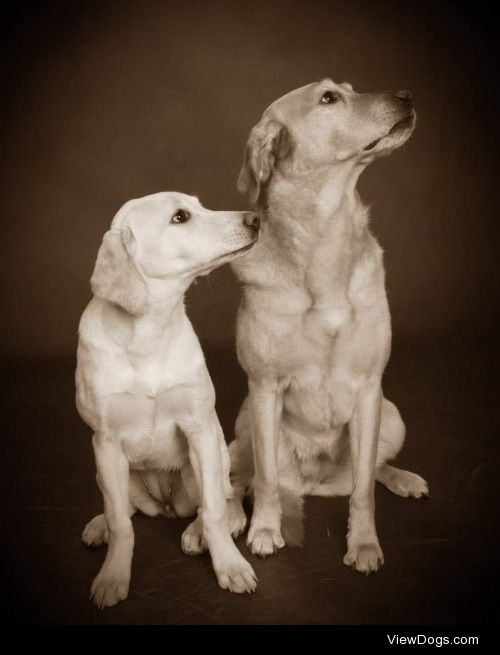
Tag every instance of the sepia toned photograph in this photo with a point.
(249, 289)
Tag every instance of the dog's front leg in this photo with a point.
(266, 404)
(112, 582)
(363, 548)
(232, 570)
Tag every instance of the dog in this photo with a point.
(313, 329)
(143, 387)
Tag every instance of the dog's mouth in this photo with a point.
(401, 126)
(228, 256)
(239, 251)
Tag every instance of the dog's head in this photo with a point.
(324, 124)
(166, 236)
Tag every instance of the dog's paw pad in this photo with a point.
(95, 532)
(108, 590)
(365, 558)
(265, 541)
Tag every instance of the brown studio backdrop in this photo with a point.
(108, 101)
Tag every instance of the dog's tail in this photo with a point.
(292, 517)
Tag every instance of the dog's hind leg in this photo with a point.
(145, 492)
(392, 435)
(236, 516)
(241, 473)
(192, 541)
(184, 500)
(96, 531)
(241, 455)
(401, 482)
(292, 519)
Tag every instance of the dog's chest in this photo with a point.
(320, 397)
(147, 426)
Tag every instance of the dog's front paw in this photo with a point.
(95, 532)
(236, 517)
(237, 575)
(109, 588)
(192, 541)
(364, 557)
(264, 541)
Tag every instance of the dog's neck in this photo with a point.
(317, 219)
(329, 186)
(314, 233)
(315, 201)
(328, 226)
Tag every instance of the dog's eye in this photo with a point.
(329, 97)
(180, 216)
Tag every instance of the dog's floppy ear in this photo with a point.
(116, 276)
(268, 143)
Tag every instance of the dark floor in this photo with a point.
(440, 553)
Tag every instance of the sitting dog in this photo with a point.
(314, 329)
(143, 387)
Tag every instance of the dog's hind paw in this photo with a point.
(192, 541)
(95, 532)
(236, 517)
(402, 483)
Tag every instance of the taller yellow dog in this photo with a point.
(314, 328)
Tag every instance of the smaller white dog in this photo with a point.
(143, 387)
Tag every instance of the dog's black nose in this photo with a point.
(252, 220)
(404, 96)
